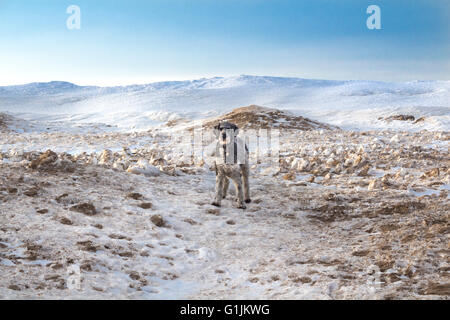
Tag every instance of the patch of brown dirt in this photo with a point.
(135, 196)
(86, 208)
(442, 289)
(401, 117)
(145, 205)
(401, 208)
(87, 246)
(255, 117)
(66, 221)
(330, 213)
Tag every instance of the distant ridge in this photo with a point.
(209, 83)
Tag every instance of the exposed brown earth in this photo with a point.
(254, 116)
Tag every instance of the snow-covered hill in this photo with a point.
(348, 104)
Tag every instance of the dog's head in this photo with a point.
(226, 132)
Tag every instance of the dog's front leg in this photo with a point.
(220, 179)
(226, 183)
(239, 194)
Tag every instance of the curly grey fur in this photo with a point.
(231, 163)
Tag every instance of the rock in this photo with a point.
(145, 168)
(400, 117)
(171, 170)
(92, 159)
(106, 157)
(270, 171)
(215, 212)
(86, 208)
(289, 176)
(431, 173)
(348, 162)
(360, 253)
(421, 119)
(303, 165)
(66, 221)
(159, 161)
(385, 263)
(14, 287)
(364, 171)
(12, 190)
(327, 152)
(120, 165)
(190, 221)
(134, 275)
(331, 162)
(338, 168)
(145, 205)
(302, 279)
(385, 181)
(374, 184)
(86, 267)
(45, 160)
(51, 277)
(33, 192)
(395, 139)
(59, 198)
(87, 246)
(135, 196)
(126, 254)
(158, 220)
(305, 279)
(144, 254)
(294, 164)
(357, 161)
(119, 237)
(400, 174)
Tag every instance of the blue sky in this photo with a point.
(124, 42)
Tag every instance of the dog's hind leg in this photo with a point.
(226, 183)
(245, 183)
(239, 193)
(220, 179)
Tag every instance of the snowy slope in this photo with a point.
(349, 104)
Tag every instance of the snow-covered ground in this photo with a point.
(347, 215)
(348, 104)
(119, 209)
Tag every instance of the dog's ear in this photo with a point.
(217, 130)
(236, 129)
